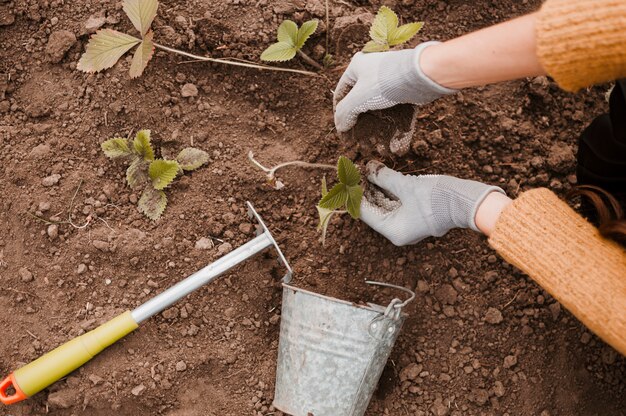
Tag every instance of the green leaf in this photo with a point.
(404, 33)
(152, 202)
(141, 13)
(353, 206)
(279, 52)
(325, 216)
(347, 172)
(324, 186)
(372, 46)
(142, 145)
(288, 32)
(137, 173)
(384, 22)
(305, 31)
(104, 50)
(191, 158)
(116, 147)
(335, 198)
(162, 172)
(142, 56)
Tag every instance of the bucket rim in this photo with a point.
(372, 307)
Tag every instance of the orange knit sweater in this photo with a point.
(580, 43)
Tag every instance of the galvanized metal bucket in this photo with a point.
(332, 352)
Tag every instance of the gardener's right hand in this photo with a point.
(381, 80)
(416, 207)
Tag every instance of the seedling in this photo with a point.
(150, 174)
(347, 194)
(107, 46)
(385, 32)
(291, 39)
(344, 197)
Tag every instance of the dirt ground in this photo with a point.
(481, 338)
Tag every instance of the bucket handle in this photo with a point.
(404, 289)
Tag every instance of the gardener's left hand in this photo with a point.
(382, 80)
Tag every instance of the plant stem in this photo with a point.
(227, 62)
(309, 60)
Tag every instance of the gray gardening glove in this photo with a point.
(381, 80)
(416, 207)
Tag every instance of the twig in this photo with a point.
(511, 301)
(22, 292)
(69, 212)
(227, 62)
(31, 334)
(271, 171)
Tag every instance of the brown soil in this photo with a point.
(449, 360)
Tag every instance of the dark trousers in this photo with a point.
(602, 148)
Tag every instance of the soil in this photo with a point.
(481, 338)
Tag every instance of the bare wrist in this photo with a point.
(489, 211)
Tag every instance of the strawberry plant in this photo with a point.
(291, 39)
(107, 46)
(151, 174)
(386, 33)
(344, 197)
(346, 194)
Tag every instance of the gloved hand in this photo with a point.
(420, 206)
(381, 80)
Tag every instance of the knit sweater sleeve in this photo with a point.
(582, 42)
(542, 236)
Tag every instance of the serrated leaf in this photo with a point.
(142, 56)
(305, 31)
(104, 49)
(384, 22)
(152, 202)
(335, 198)
(288, 32)
(353, 206)
(162, 172)
(141, 13)
(324, 186)
(137, 173)
(116, 147)
(191, 158)
(347, 172)
(325, 216)
(142, 145)
(404, 33)
(372, 46)
(279, 52)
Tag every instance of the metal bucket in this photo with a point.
(332, 352)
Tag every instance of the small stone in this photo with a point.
(82, 268)
(44, 206)
(509, 361)
(204, 244)
(171, 313)
(95, 22)
(439, 408)
(100, 245)
(181, 366)
(59, 43)
(62, 399)
(6, 16)
(53, 231)
(245, 228)
(229, 312)
(585, 338)
(479, 396)
(555, 310)
(411, 372)
(561, 157)
(493, 316)
(25, 275)
(138, 390)
(51, 180)
(422, 286)
(96, 380)
(498, 388)
(189, 90)
(38, 151)
(224, 248)
(446, 294)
